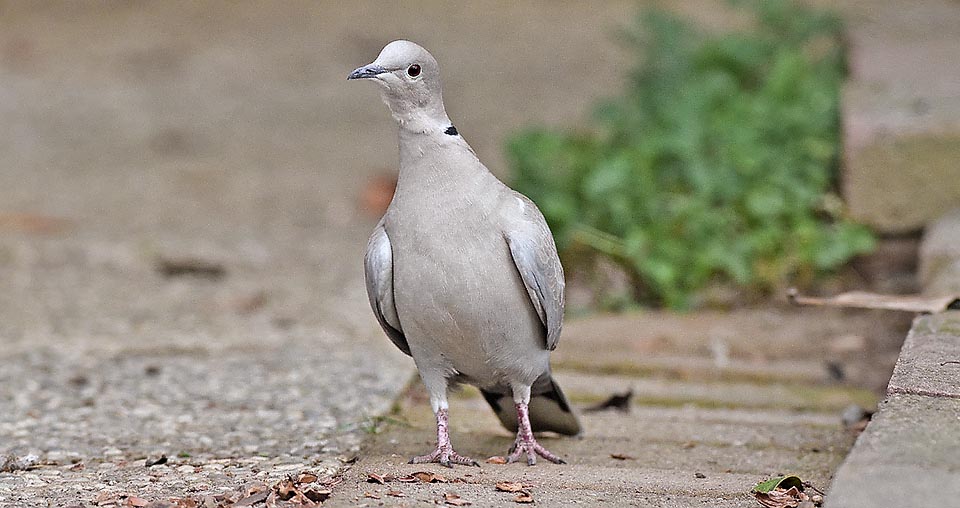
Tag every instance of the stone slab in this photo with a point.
(929, 362)
(909, 456)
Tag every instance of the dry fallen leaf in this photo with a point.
(375, 478)
(781, 492)
(780, 498)
(454, 499)
(136, 501)
(285, 489)
(866, 300)
(621, 456)
(307, 478)
(317, 495)
(509, 486)
(523, 497)
(396, 493)
(427, 477)
(371, 495)
(333, 481)
(496, 460)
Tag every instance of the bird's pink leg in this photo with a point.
(444, 453)
(526, 443)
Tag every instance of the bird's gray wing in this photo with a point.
(535, 255)
(378, 272)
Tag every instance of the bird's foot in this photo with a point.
(531, 448)
(445, 456)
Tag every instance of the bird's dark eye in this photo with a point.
(413, 70)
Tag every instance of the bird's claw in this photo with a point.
(445, 456)
(531, 448)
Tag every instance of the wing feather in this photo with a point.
(535, 256)
(378, 272)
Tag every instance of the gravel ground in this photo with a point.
(107, 362)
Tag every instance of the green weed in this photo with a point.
(715, 166)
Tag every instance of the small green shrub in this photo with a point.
(715, 165)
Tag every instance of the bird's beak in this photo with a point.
(366, 72)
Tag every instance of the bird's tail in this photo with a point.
(549, 409)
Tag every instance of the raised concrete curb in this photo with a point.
(909, 455)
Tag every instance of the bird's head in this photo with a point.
(410, 79)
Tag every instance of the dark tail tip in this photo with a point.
(549, 410)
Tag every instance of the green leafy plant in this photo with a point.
(715, 165)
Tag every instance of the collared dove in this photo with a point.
(462, 272)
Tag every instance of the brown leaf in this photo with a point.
(621, 456)
(307, 478)
(496, 460)
(865, 300)
(427, 477)
(184, 502)
(79, 466)
(285, 489)
(333, 481)
(371, 495)
(523, 497)
(454, 499)
(509, 486)
(136, 501)
(396, 493)
(781, 498)
(407, 479)
(317, 495)
(375, 478)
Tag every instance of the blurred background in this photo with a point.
(186, 189)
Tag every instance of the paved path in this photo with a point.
(721, 401)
